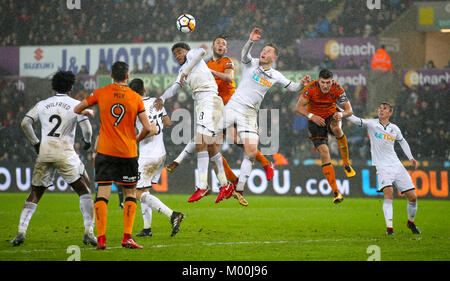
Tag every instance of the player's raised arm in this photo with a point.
(255, 35)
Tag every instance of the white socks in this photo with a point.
(388, 213)
(220, 171)
(87, 209)
(188, 150)
(246, 169)
(27, 212)
(146, 215)
(411, 208)
(202, 166)
(155, 204)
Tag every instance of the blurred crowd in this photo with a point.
(50, 22)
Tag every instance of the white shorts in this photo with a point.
(246, 122)
(209, 113)
(70, 169)
(150, 169)
(394, 175)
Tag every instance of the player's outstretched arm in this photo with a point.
(357, 121)
(170, 92)
(348, 111)
(79, 108)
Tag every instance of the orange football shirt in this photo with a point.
(118, 107)
(226, 89)
(322, 104)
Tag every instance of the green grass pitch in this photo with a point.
(269, 229)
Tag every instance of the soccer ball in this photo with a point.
(186, 23)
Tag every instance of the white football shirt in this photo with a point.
(58, 126)
(382, 140)
(200, 79)
(254, 85)
(152, 146)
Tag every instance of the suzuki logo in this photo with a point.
(38, 54)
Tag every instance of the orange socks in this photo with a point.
(101, 212)
(328, 171)
(261, 159)
(228, 172)
(129, 212)
(343, 148)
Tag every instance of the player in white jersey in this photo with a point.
(258, 77)
(152, 154)
(390, 171)
(208, 111)
(56, 152)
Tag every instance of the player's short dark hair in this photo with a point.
(181, 45)
(63, 81)
(391, 108)
(119, 70)
(325, 74)
(221, 36)
(275, 47)
(137, 85)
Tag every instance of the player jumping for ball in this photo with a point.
(222, 67)
(241, 111)
(320, 97)
(208, 111)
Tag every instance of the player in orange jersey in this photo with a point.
(222, 68)
(116, 159)
(320, 97)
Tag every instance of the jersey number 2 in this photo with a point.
(58, 123)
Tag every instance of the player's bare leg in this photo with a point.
(328, 171)
(341, 139)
